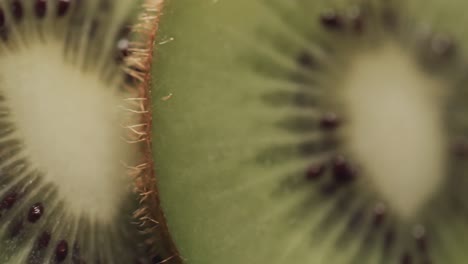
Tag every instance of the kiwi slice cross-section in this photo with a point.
(312, 131)
(70, 127)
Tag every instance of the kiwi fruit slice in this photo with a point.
(312, 131)
(70, 126)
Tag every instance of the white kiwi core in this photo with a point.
(396, 128)
(70, 122)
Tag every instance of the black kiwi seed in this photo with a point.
(40, 8)
(9, 201)
(306, 60)
(17, 10)
(61, 251)
(16, 228)
(123, 44)
(379, 213)
(43, 240)
(329, 121)
(35, 212)
(332, 20)
(419, 234)
(36, 256)
(62, 7)
(406, 259)
(357, 20)
(2, 18)
(343, 171)
(130, 79)
(314, 172)
(460, 147)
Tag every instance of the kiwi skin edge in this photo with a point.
(149, 215)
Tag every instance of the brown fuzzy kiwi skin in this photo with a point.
(149, 215)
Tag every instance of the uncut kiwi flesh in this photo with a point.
(66, 109)
(313, 131)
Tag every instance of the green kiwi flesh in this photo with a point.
(69, 133)
(312, 131)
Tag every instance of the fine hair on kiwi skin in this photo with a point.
(74, 158)
(312, 131)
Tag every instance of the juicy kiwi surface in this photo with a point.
(70, 126)
(312, 131)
